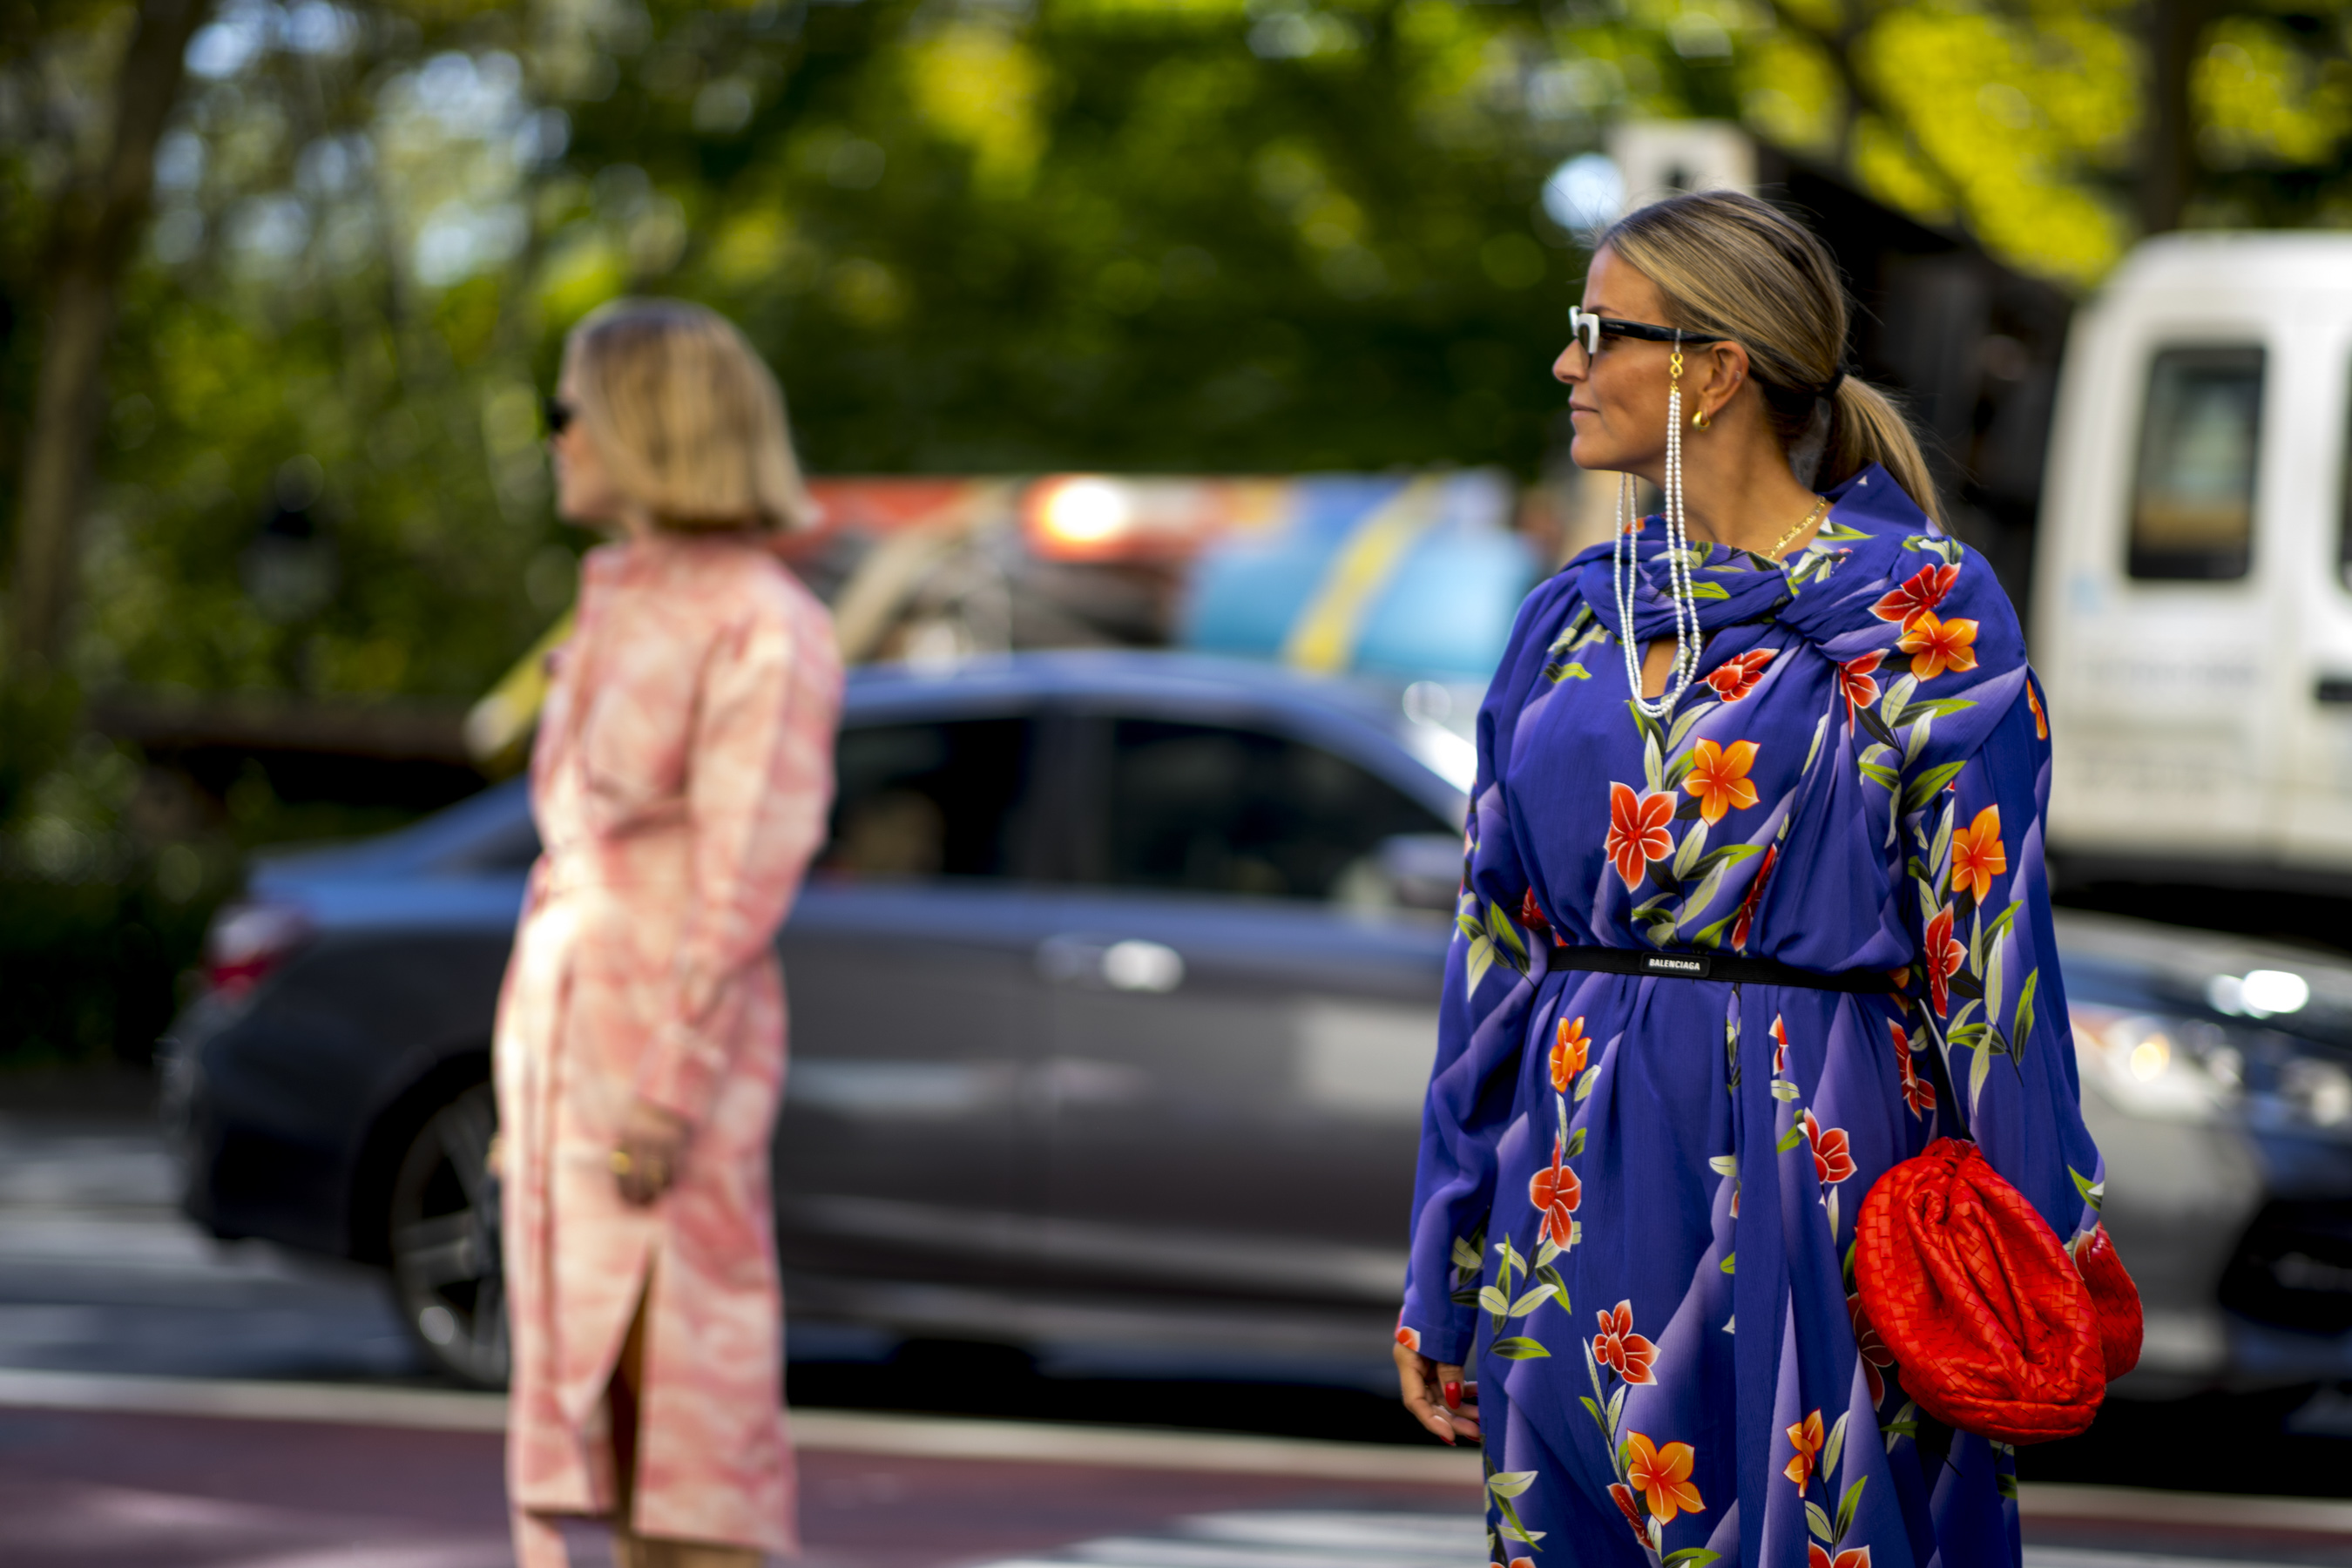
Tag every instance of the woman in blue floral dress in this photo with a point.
(1823, 804)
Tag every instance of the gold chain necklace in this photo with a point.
(1821, 505)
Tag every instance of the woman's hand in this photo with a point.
(1437, 1396)
(647, 1151)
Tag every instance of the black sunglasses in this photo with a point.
(1583, 324)
(558, 415)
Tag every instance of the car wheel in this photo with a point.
(444, 1235)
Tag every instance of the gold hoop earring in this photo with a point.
(1700, 421)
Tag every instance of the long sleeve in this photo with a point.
(1482, 1025)
(1979, 915)
(760, 782)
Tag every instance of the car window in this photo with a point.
(2193, 504)
(1223, 809)
(940, 799)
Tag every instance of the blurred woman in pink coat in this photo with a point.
(681, 779)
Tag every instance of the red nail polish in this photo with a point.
(1454, 1397)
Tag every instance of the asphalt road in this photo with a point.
(126, 1338)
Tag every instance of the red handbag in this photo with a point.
(1995, 1328)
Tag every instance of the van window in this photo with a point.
(2193, 506)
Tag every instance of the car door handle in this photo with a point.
(1131, 964)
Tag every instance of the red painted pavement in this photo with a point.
(87, 1490)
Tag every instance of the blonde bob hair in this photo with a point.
(1735, 267)
(688, 419)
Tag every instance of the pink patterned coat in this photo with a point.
(681, 779)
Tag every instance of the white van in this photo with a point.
(2192, 615)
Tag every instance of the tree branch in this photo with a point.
(90, 246)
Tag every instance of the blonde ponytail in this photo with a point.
(1737, 267)
(1867, 427)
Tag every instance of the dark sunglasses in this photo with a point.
(1591, 329)
(558, 416)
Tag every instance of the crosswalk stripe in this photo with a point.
(2079, 1557)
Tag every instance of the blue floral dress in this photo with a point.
(1635, 1214)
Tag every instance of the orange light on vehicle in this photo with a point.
(1143, 519)
(1083, 515)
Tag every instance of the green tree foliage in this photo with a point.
(972, 235)
(1205, 234)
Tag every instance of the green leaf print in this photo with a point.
(1846, 1505)
(1923, 789)
(1510, 1483)
(1904, 1424)
(2023, 1026)
(1835, 1446)
(1479, 959)
(1686, 856)
(1504, 931)
(2092, 1192)
(1531, 1300)
(1817, 1519)
(1519, 1349)
(1689, 1557)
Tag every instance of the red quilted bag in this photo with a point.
(1994, 1328)
(2115, 1298)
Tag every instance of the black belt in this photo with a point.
(1722, 966)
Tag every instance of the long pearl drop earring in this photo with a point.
(1623, 566)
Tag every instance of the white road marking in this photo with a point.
(2074, 1557)
(1276, 1539)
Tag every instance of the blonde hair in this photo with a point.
(688, 416)
(1739, 267)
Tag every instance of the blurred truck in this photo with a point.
(2192, 611)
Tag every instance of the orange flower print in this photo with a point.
(1944, 957)
(1637, 832)
(1937, 646)
(1807, 1438)
(1818, 1556)
(1622, 1495)
(1779, 1046)
(1556, 1193)
(1736, 677)
(1870, 1347)
(1620, 1349)
(1746, 923)
(1531, 913)
(2040, 720)
(1409, 1338)
(1924, 591)
(1663, 1477)
(1917, 1092)
(1976, 855)
(1857, 684)
(1567, 1053)
(1718, 777)
(1833, 1156)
